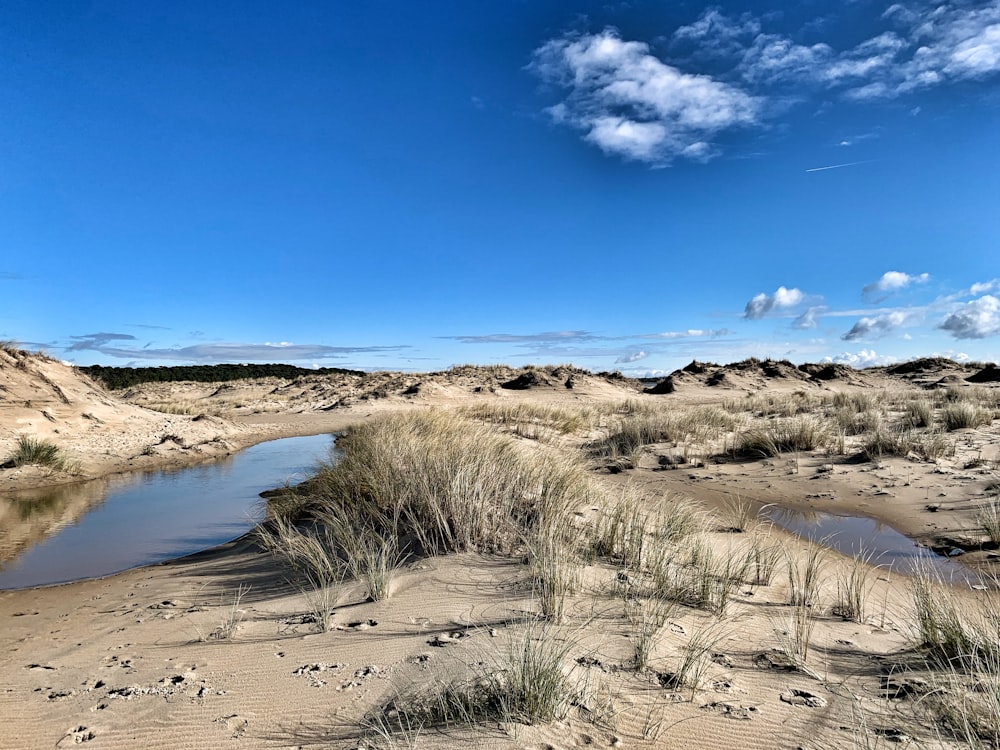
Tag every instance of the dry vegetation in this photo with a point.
(636, 609)
(502, 479)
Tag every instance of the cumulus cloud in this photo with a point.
(891, 281)
(876, 326)
(632, 357)
(977, 319)
(861, 359)
(763, 304)
(630, 103)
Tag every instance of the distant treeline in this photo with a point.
(123, 377)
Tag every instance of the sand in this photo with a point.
(217, 649)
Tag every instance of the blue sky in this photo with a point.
(415, 185)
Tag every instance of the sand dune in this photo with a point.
(221, 650)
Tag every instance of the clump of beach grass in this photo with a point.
(444, 484)
(737, 515)
(695, 657)
(963, 415)
(952, 631)
(524, 682)
(762, 558)
(524, 417)
(988, 518)
(854, 585)
(919, 412)
(317, 569)
(781, 436)
(648, 617)
(804, 576)
(434, 483)
(31, 451)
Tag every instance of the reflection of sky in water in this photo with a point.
(856, 535)
(158, 516)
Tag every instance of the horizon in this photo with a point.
(985, 364)
(625, 186)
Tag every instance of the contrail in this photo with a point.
(838, 166)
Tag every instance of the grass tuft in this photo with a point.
(524, 683)
(36, 452)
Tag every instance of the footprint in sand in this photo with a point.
(796, 697)
(447, 639)
(737, 711)
(360, 625)
(76, 736)
(235, 724)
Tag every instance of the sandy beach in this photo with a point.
(223, 649)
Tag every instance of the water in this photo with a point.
(860, 536)
(103, 527)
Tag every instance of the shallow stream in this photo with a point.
(97, 528)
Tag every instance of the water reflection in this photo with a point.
(860, 536)
(101, 527)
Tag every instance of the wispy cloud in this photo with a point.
(690, 333)
(148, 327)
(95, 341)
(222, 352)
(890, 282)
(977, 319)
(763, 304)
(9, 276)
(524, 338)
(630, 103)
(922, 44)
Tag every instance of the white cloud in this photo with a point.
(632, 104)
(930, 44)
(234, 352)
(983, 287)
(977, 319)
(763, 304)
(525, 338)
(773, 58)
(876, 326)
(863, 358)
(689, 333)
(891, 281)
(713, 25)
(807, 320)
(632, 357)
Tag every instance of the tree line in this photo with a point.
(123, 377)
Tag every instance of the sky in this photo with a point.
(397, 185)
